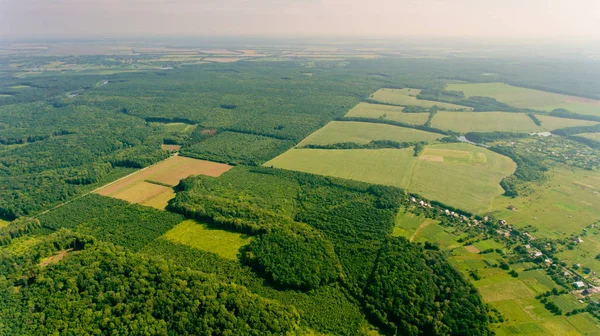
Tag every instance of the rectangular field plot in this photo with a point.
(408, 97)
(152, 186)
(201, 236)
(388, 112)
(363, 133)
(553, 123)
(460, 175)
(464, 122)
(529, 98)
(383, 166)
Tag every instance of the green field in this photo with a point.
(459, 175)
(3, 223)
(584, 253)
(528, 98)
(407, 97)
(383, 166)
(407, 224)
(552, 123)
(563, 205)
(431, 231)
(201, 236)
(363, 133)
(593, 136)
(388, 112)
(464, 122)
(515, 298)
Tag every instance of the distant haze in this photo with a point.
(543, 19)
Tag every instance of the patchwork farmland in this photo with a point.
(153, 186)
(408, 97)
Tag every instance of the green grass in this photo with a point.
(464, 122)
(384, 166)
(593, 136)
(468, 178)
(567, 302)
(388, 112)
(528, 98)
(201, 236)
(488, 244)
(459, 175)
(3, 223)
(538, 281)
(564, 204)
(407, 223)
(362, 133)
(584, 253)
(20, 86)
(553, 123)
(176, 127)
(584, 323)
(431, 231)
(407, 97)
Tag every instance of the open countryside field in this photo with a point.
(407, 97)
(464, 122)
(529, 98)
(388, 112)
(459, 175)
(593, 136)
(201, 236)
(515, 298)
(362, 133)
(553, 123)
(564, 204)
(152, 186)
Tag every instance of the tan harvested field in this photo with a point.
(171, 147)
(388, 112)
(141, 192)
(593, 136)
(135, 188)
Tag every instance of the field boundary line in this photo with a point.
(421, 227)
(101, 187)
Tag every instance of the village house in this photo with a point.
(535, 254)
(577, 240)
(579, 284)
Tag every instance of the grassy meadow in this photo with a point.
(593, 136)
(201, 236)
(553, 123)
(529, 98)
(407, 97)
(464, 122)
(459, 175)
(564, 204)
(3, 223)
(363, 133)
(387, 112)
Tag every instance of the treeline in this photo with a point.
(562, 113)
(17, 228)
(485, 137)
(374, 144)
(431, 299)
(350, 222)
(529, 168)
(396, 123)
(153, 296)
(111, 220)
(479, 104)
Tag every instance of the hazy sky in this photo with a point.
(439, 18)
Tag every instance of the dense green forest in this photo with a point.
(321, 258)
